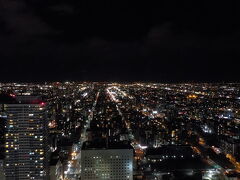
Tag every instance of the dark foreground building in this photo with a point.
(174, 162)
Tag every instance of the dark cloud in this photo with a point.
(64, 41)
(20, 21)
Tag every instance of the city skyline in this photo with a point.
(119, 131)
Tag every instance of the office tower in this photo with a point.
(26, 139)
(2, 132)
(106, 160)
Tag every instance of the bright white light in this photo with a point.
(143, 147)
(85, 94)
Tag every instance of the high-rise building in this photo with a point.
(2, 132)
(106, 161)
(26, 147)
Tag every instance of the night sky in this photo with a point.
(108, 40)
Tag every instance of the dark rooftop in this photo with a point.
(175, 157)
(102, 144)
(170, 150)
(171, 164)
(53, 162)
(7, 98)
(13, 99)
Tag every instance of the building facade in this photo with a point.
(107, 163)
(26, 149)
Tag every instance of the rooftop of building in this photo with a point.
(104, 144)
(14, 99)
(176, 164)
(53, 162)
(170, 150)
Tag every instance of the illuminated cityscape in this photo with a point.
(120, 131)
(119, 90)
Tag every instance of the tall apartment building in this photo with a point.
(2, 132)
(26, 146)
(106, 161)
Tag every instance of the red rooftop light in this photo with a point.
(13, 95)
(42, 103)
